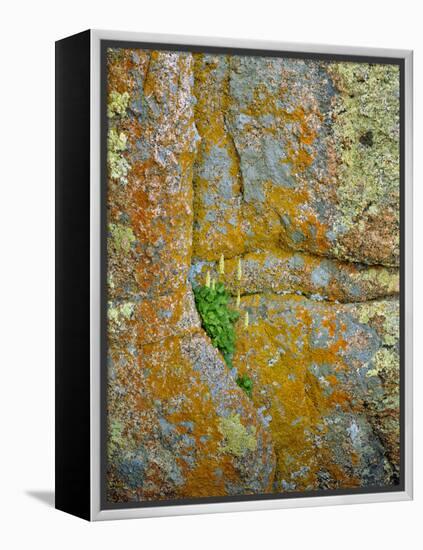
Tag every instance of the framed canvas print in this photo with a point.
(234, 292)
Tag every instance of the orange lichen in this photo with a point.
(265, 103)
(210, 110)
(277, 355)
(184, 200)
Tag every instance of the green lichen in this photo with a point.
(118, 104)
(110, 281)
(116, 313)
(385, 363)
(120, 440)
(115, 54)
(385, 366)
(387, 279)
(366, 136)
(381, 278)
(115, 439)
(121, 238)
(116, 141)
(238, 439)
(118, 165)
(387, 316)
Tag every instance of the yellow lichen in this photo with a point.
(238, 439)
(121, 237)
(118, 103)
(385, 362)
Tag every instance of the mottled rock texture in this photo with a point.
(280, 179)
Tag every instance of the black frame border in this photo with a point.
(72, 275)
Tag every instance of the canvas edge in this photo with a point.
(97, 514)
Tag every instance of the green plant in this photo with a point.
(245, 383)
(217, 319)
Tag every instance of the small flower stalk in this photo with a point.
(222, 265)
(238, 299)
(213, 284)
(239, 270)
(246, 320)
(208, 279)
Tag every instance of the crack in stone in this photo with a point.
(321, 299)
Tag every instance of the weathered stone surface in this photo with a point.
(298, 154)
(217, 178)
(283, 271)
(318, 369)
(179, 426)
(366, 136)
(317, 153)
(280, 179)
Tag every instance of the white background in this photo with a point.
(28, 32)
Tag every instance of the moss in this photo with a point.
(246, 384)
(217, 319)
(238, 439)
(121, 237)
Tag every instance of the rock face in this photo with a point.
(319, 382)
(279, 178)
(297, 154)
(179, 426)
